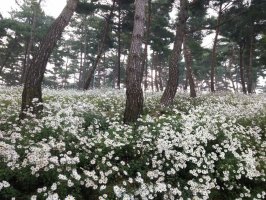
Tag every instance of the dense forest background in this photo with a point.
(234, 57)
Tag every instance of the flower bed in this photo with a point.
(211, 147)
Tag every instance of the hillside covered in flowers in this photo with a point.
(209, 147)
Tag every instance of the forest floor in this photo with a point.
(210, 147)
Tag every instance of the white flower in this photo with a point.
(6, 184)
(33, 197)
(69, 197)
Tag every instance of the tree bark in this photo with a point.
(172, 83)
(160, 73)
(134, 93)
(213, 60)
(155, 67)
(100, 50)
(249, 68)
(35, 73)
(145, 55)
(152, 69)
(230, 65)
(241, 68)
(188, 63)
(80, 67)
(31, 40)
(119, 47)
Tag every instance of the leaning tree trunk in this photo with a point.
(241, 68)
(100, 50)
(188, 63)
(213, 59)
(172, 83)
(134, 93)
(35, 73)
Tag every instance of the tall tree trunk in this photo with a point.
(66, 72)
(145, 55)
(85, 57)
(249, 68)
(134, 93)
(119, 47)
(230, 65)
(100, 50)
(155, 67)
(35, 73)
(152, 69)
(31, 40)
(241, 68)
(213, 60)
(160, 73)
(186, 81)
(80, 67)
(172, 83)
(156, 78)
(188, 63)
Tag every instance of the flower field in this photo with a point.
(211, 147)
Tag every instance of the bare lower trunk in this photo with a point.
(241, 68)
(186, 81)
(35, 73)
(134, 93)
(172, 83)
(213, 60)
(160, 73)
(145, 55)
(188, 63)
(119, 47)
(80, 67)
(101, 49)
(231, 61)
(152, 77)
(249, 68)
(155, 67)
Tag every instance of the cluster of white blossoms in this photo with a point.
(80, 149)
(4, 184)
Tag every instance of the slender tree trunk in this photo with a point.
(241, 68)
(231, 61)
(35, 73)
(186, 81)
(213, 60)
(85, 58)
(31, 41)
(145, 55)
(249, 68)
(80, 67)
(101, 49)
(134, 93)
(66, 72)
(119, 47)
(188, 63)
(155, 67)
(172, 83)
(152, 69)
(160, 73)
(156, 79)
